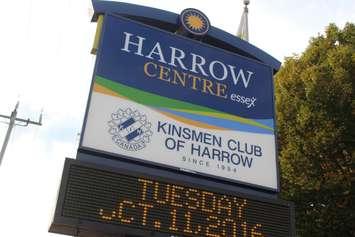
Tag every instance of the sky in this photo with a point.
(45, 63)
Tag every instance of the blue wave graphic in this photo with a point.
(224, 123)
(267, 122)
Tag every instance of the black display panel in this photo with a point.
(119, 199)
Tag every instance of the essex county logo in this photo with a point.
(130, 129)
(194, 21)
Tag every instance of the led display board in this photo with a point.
(96, 198)
(164, 99)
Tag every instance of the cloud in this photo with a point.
(29, 181)
(45, 64)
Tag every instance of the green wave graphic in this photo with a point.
(153, 100)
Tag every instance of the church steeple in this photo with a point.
(243, 31)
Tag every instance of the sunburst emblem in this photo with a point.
(194, 21)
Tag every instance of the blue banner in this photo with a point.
(179, 68)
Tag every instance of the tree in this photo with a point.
(315, 106)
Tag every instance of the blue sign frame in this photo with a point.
(126, 9)
(276, 189)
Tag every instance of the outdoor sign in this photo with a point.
(167, 100)
(95, 198)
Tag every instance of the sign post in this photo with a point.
(179, 133)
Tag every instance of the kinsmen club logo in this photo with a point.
(130, 129)
(194, 21)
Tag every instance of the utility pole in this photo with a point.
(13, 118)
